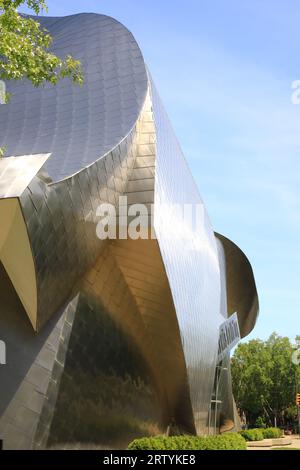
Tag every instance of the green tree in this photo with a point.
(24, 48)
(264, 378)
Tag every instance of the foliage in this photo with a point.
(230, 441)
(272, 433)
(260, 423)
(252, 434)
(264, 378)
(258, 434)
(291, 415)
(24, 47)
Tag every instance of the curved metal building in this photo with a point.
(108, 339)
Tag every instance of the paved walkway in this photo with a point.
(287, 441)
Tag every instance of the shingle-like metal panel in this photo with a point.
(61, 221)
(78, 125)
(16, 173)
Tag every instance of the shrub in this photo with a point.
(272, 433)
(253, 434)
(230, 441)
(260, 423)
(259, 434)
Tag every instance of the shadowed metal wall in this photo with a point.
(32, 367)
(110, 391)
(241, 290)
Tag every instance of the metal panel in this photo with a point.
(31, 362)
(191, 261)
(78, 125)
(17, 172)
(240, 285)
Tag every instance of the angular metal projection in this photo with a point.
(123, 333)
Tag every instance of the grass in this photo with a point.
(285, 448)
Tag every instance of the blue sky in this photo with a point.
(224, 70)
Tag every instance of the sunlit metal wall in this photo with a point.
(61, 220)
(191, 260)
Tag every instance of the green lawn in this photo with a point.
(285, 448)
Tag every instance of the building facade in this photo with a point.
(108, 338)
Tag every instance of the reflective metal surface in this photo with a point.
(61, 221)
(77, 125)
(241, 290)
(125, 332)
(238, 295)
(191, 261)
(17, 172)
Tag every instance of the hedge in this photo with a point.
(230, 441)
(258, 434)
(272, 433)
(253, 434)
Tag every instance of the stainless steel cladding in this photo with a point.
(115, 338)
(191, 260)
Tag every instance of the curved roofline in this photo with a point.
(84, 13)
(147, 73)
(48, 22)
(242, 296)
